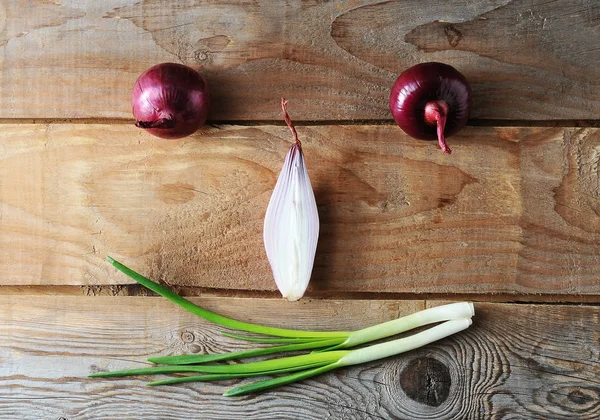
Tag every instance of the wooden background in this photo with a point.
(510, 220)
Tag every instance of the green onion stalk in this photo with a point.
(330, 349)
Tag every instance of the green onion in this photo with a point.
(309, 364)
(328, 347)
(348, 339)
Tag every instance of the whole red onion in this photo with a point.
(431, 100)
(170, 100)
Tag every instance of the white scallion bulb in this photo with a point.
(291, 228)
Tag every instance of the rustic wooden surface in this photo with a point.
(519, 361)
(512, 210)
(513, 215)
(337, 60)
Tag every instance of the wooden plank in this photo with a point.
(336, 60)
(512, 210)
(525, 361)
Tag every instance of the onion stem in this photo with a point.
(436, 112)
(401, 345)
(288, 121)
(159, 123)
(418, 319)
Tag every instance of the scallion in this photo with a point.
(329, 348)
(308, 364)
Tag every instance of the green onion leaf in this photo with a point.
(275, 382)
(206, 358)
(267, 340)
(224, 376)
(216, 318)
(264, 366)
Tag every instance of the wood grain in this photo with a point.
(336, 60)
(516, 361)
(512, 210)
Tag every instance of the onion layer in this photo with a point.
(291, 227)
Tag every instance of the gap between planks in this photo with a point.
(299, 122)
(137, 290)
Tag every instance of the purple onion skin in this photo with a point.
(432, 85)
(170, 101)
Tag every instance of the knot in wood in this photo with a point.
(187, 337)
(200, 55)
(453, 35)
(426, 380)
(582, 397)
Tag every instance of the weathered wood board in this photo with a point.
(512, 214)
(512, 210)
(521, 361)
(526, 59)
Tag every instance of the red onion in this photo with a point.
(431, 100)
(170, 100)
